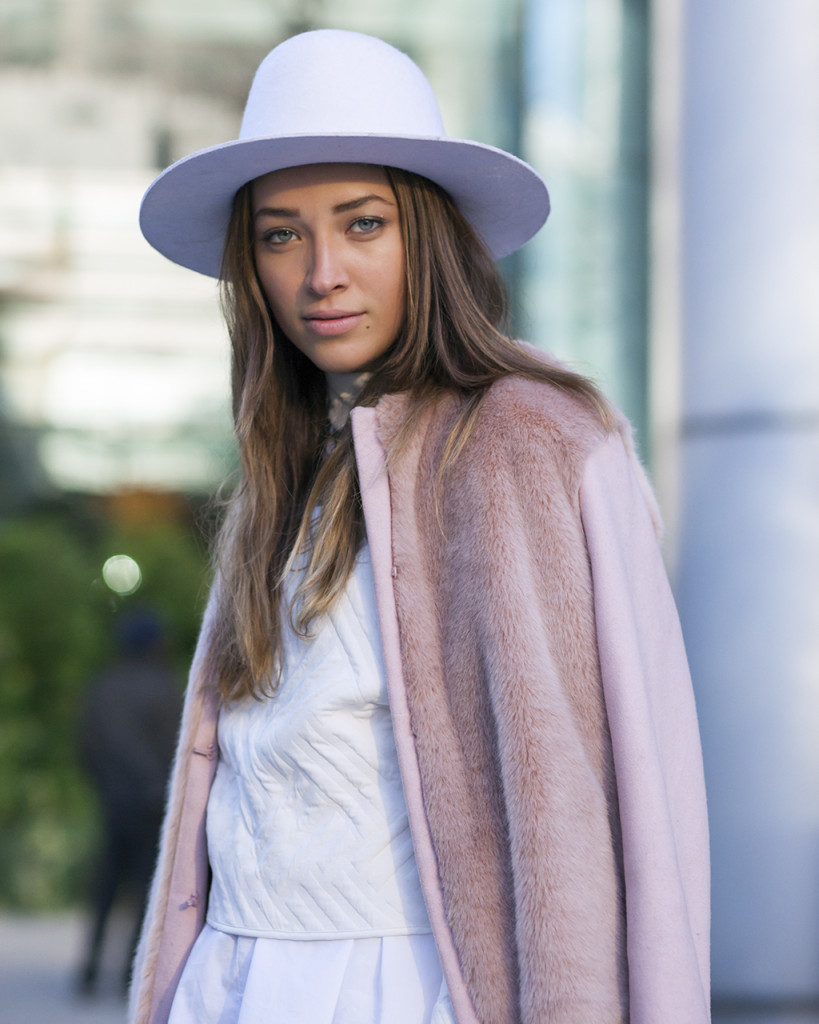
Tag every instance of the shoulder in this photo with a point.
(543, 436)
(520, 403)
(522, 424)
(539, 425)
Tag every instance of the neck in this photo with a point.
(342, 391)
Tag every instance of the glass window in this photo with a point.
(95, 95)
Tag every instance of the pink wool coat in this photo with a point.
(544, 723)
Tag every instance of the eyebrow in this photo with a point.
(352, 204)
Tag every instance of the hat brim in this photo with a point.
(186, 210)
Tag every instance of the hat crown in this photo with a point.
(335, 82)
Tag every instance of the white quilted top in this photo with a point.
(307, 825)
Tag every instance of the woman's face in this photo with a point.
(330, 256)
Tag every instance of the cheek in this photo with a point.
(278, 290)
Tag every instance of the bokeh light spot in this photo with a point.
(122, 574)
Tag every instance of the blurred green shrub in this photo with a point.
(56, 617)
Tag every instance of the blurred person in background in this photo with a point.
(439, 760)
(127, 736)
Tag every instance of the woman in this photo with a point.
(457, 772)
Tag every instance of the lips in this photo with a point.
(332, 322)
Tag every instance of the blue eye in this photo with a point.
(364, 225)
(279, 236)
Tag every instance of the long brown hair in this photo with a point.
(298, 491)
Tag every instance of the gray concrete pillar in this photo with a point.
(749, 545)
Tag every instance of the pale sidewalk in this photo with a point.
(38, 961)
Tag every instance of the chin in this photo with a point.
(341, 365)
(344, 362)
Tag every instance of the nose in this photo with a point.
(327, 270)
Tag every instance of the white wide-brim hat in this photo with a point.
(330, 96)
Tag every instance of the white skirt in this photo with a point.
(235, 979)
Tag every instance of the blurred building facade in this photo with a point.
(114, 362)
(677, 269)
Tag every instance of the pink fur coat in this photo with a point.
(543, 717)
